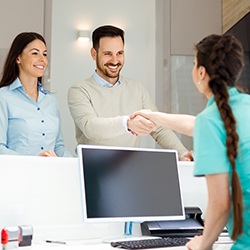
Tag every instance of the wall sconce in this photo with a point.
(83, 35)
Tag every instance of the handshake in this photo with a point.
(139, 123)
(145, 121)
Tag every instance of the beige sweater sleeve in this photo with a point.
(86, 119)
(166, 138)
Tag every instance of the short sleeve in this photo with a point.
(209, 146)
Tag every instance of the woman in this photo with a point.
(221, 140)
(30, 120)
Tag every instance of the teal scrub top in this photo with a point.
(210, 151)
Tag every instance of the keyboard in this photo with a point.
(151, 243)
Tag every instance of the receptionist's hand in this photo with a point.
(195, 243)
(48, 153)
(188, 156)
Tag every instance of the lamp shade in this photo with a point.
(83, 35)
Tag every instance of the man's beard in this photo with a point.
(106, 72)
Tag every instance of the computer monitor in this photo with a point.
(129, 184)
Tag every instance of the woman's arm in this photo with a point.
(3, 129)
(217, 211)
(180, 123)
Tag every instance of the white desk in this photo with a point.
(98, 245)
(45, 193)
(103, 246)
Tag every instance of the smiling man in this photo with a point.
(102, 104)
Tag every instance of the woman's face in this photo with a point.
(33, 61)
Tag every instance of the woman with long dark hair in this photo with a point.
(221, 139)
(30, 119)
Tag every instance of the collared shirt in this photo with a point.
(28, 127)
(106, 84)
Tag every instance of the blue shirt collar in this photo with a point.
(105, 83)
(17, 84)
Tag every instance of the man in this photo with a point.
(101, 105)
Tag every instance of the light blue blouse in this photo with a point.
(210, 151)
(28, 127)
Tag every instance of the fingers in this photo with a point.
(48, 153)
(188, 156)
(195, 243)
(140, 125)
(185, 159)
(144, 112)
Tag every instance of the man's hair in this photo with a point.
(106, 31)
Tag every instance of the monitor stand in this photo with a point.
(127, 235)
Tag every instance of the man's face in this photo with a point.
(109, 58)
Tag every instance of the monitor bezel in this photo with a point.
(138, 219)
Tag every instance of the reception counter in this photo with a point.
(45, 193)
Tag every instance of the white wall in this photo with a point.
(180, 25)
(16, 17)
(71, 61)
(19, 16)
(202, 18)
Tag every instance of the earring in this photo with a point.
(199, 82)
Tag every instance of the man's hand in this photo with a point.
(188, 156)
(139, 125)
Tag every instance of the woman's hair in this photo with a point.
(10, 69)
(106, 31)
(223, 58)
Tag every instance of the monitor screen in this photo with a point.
(129, 184)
